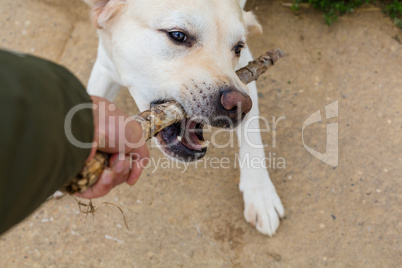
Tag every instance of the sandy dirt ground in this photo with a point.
(344, 216)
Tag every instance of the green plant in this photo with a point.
(333, 9)
(394, 10)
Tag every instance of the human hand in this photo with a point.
(119, 135)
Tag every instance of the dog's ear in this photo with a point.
(252, 24)
(104, 10)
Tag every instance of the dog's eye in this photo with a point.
(178, 36)
(238, 48)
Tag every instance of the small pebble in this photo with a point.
(114, 239)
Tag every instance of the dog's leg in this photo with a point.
(104, 80)
(262, 206)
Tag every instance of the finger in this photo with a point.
(102, 186)
(121, 168)
(126, 138)
(143, 152)
(134, 135)
(114, 130)
(134, 175)
(138, 164)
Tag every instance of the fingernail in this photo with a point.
(127, 165)
(107, 177)
(119, 167)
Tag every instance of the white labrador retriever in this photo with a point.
(188, 51)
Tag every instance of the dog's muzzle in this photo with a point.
(184, 140)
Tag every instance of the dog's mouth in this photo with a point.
(183, 140)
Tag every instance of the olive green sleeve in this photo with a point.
(36, 157)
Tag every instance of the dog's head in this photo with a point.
(180, 50)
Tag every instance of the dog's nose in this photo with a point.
(235, 102)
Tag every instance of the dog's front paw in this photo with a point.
(263, 208)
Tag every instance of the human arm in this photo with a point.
(36, 157)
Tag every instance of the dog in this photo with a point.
(188, 51)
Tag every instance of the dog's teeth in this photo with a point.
(204, 144)
(179, 138)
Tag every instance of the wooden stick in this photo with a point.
(159, 117)
(255, 68)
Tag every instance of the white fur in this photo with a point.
(262, 205)
(133, 53)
